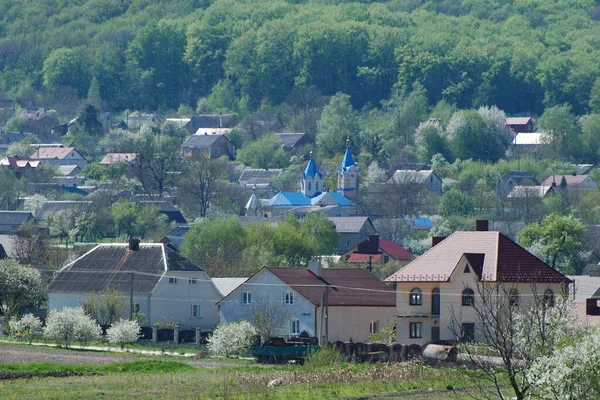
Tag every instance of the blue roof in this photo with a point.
(348, 161)
(289, 199)
(312, 170)
(341, 199)
(420, 222)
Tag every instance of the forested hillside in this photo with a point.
(522, 56)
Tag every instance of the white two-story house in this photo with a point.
(331, 304)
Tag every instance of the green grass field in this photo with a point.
(174, 380)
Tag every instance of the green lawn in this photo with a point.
(173, 380)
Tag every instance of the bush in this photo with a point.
(123, 332)
(324, 357)
(29, 327)
(71, 324)
(233, 338)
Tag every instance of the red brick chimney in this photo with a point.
(435, 240)
(482, 225)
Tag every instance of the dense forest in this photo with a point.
(522, 56)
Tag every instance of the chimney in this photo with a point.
(134, 244)
(553, 180)
(435, 240)
(315, 267)
(205, 133)
(482, 225)
(220, 120)
(374, 241)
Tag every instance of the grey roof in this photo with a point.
(51, 207)
(68, 169)
(349, 224)
(585, 286)
(67, 180)
(14, 217)
(202, 140)
(259, 175)
(290, 140)
(409, 175)
(111, 266)
(214, 121)
(175, 237)
(228, 285)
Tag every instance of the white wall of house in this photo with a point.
(174, 300)
(58, 300)
(347, 323)
(265, 286)
(450, 305)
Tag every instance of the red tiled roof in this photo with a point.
(350, 286)
(358, 258)
(498, 258)
(394, 250)
(572, 180)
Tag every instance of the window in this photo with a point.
(192, 281)
(246, 298)
(435, 302)
(416, 330)
(468, 332)
(195, 311)
(289, 298)
(217, 150)
(136, 308)
(188, 151)
(295, 327)
(549, 298)
(468, 297)
(346, 242)
(309, 186)
(416, 299)
(513, 299)
(373, 327)
(386, 259)
(173, 280)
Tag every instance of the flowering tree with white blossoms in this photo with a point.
(71, 324)
(123, 332)
(570, 373)
(514, 333)
(233, 338)
(29, 327)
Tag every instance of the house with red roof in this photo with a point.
(442, 284)
(519, 124)
(331, 304)
(571, 182)
(377, 251)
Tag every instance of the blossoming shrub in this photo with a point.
(28, 328)
(71, 324)
(570, 373)
(123, 332)
(233, 338)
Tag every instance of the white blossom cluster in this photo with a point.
(123, 332)
(570, 373)
(71, 324)
(233, 338)
(29, 327)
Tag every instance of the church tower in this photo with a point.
(312, 179)
(348, 173)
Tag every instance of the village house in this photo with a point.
(153, 277)
(521, 192)
(213, 146)
(69, 170)
(377, 251)
(442, 284)
(256, 176)
(427, 178)
(352, 230)
(22, 166)
(167, 209)
(572, 183)
(291, 142)
(11, 221)
(204, 122)
(352, 302)
(59, 155)
(51, 207)
(114, 158)
(134, 121)
(512, 179)
(519, 124)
